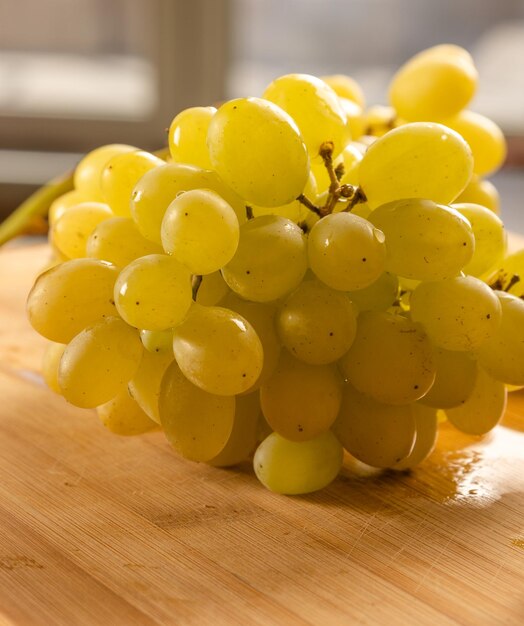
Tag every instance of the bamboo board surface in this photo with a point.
(97, 529)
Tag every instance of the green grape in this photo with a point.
(200, 230)
(317, 324)
(87, 177)
(243, 439)
(378, 296)
(71, 231)
(484, 408)
(293, 467)
(355, 118)
(262, 317)
(196, 423)
(351, 158)
(456, 373)
(123, 416)
(424, 240)
(99, 362)
(378, 120)
(457, 314)
(270, 260)
(155, 191)
(145, 384)
(485, 139)
(502, 355)
(377, 434)
(65, 202)
(212, 290)
(346, 87)
(315, 108)
(153, 292)
(419, 160)
(119, 241)
(346, 252)
(159, 341)
(301, 401)
(70, 296)
(257, 150)
(120, 175)
(426, 426)
(510, 275)
(295, 210)
(390, 360)
(481, 192)
(188, 135)
(362, 209)
(218, 350)
(51, 360)
(490, 238)
(435, 84)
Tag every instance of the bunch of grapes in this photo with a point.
(299, 276)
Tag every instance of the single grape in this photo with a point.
(419, 160)
(50, 363)
(87, 177)
(63, 203)
(196, 423)
(145, 384)
(456, 373)
(457, 314)
(346, 252)
(158, 341)
(71, 231)
(153, 292)
(378, 296)
(218, 350)
(212, 290)
(123, 416)
(356, 124)
(188, 135)
(483, 192)
(390, 359)
(346, 87)
(99, 362)
(298, 467)
(426, 426)
(70, 296)
(200, 230)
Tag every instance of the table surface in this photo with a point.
(98, 529)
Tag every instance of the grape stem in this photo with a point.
(249, 212)
(196, 281)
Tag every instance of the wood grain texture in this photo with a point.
(97, 529)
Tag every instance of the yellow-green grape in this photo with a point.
(346, 252)
(485, 139)
(502, 355)
(200, 230)
(378, 120)
(390, 360)
(145, 384)
(155, 191)
(257, 150)
(457, 314)
(484, 408)
(218, 350)
(153, 292)
(120, 175)
(262, 317)
(510, 275)
(196, 423)
(424, 240)
(426, 426)
(51, 360)
(87, 177)
(483, 192)
(243, 439)
(65, 202)
(362, 209)
(159, 341)
(301, 401)
(377, 434)
(346, 87)
(212, 290)
(270, 260)
(70, 296)
(355, 118)
(419, 160)
(72, 229)
(298, 467)
(317, 324)
(315, 108)
(351, 157)
(119, 241)
(435, 84)
(188, 135)
(123, 416)
(378, 296)
(490, 238)
(456, 373)
(295, 210)
(99, 362)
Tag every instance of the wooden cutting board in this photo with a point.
(97, 529)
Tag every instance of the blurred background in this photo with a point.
(74, 75)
